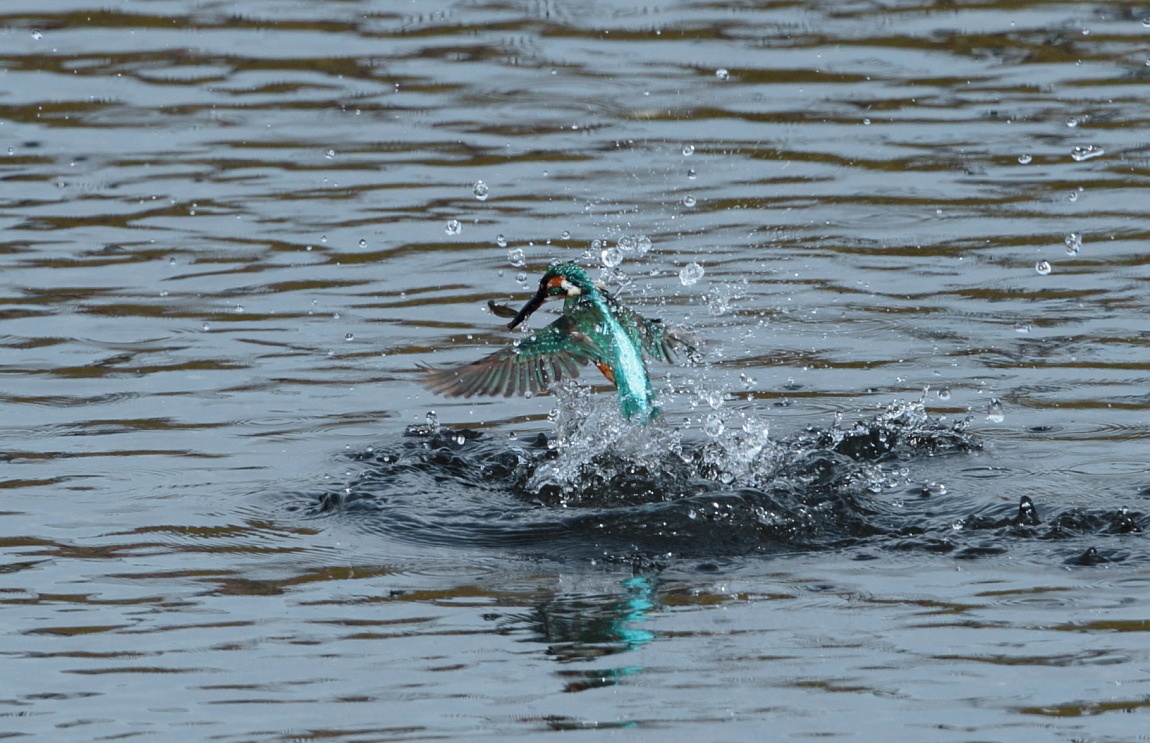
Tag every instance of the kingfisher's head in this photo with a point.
(561, 280)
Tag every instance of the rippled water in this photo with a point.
(903, 492)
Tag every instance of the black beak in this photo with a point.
(535, 303)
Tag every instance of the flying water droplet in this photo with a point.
(565, 235)
(1043, 268)
(714, 426)
(349, 337)
(516, 258)
(37, 34)
(722, 73)
(1022, 328)
(1024, 159)
(453, 227)
(994, 412)
(611, 257)
(1085, 152)
(432, 421)
(688, 150)
(330, 154)
(690, 274)
(521, 278)
(363, 243)
(943, 393)
(481, 190)
(501, 241)
(1072, 122)
(1073, 243)
(689, 201)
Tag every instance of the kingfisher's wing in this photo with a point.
(555, 352)
(655, 338)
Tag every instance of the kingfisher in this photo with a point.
(594, 328)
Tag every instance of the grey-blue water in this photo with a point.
(902, 495)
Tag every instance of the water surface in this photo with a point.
(903, 492)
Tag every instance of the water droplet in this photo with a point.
(516, 258)
(689, 201)
(722, 73)
(1072, 122)
(363, 243)
(432, 421)
(1022, 328)
(1073, 243)
(207, 327)
(994, 412)
(1146, 21)
(1042, 267)
(866, 122)
(1072, 196)
(943, 393)
(163, 292)
(239, 309)
(1085, 152)
(688, 150)
(564, 235)
(481, 190)
(690, 274)
(714, 426)
(611, 257)
(501, 241)
(1024, 159)
(453, 227)
(37, 34)
(349, 337)
(691, 175)
(642, 244)
(330, 154)
(521, 278)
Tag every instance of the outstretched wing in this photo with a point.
(656, 339)
(527, 366)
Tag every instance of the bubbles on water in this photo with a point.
(1073, 243)
(453, 227)
(722, 73)
(1043, 268)
(516, 258)
(690, 274)
(1085, 152)
(688, 150)
(689, 201)
(611, 257)
(481, 190)
(1024, 159)
(633, 244)
(994, 412)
